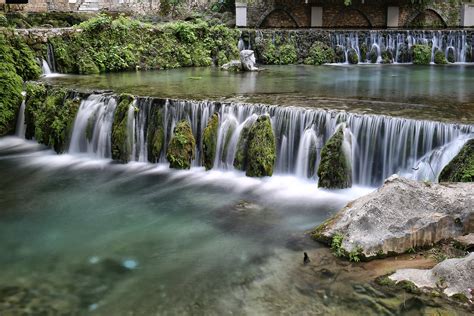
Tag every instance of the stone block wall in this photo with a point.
(369, 14)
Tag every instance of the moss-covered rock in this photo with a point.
(50, 115)
(451, 56)
(261, 148)
(352, 57)
(209, 141)
(340, 55)
(461, 168)
(421, 54)
(334, 170)
(439, 58)
(182, 147)
(277, 52)
(155, 135)
(319, 54)
(387, 57)
(121, 144)
(240, 159)
(373, 55)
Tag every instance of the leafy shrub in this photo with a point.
(319, 54)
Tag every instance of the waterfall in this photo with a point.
(92, 129)
(20, 124)
(376, 145)
(398, 43)
(50, 58)
(45, 68)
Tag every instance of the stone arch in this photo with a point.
(428, 17)
(351, 17)
(279, 13)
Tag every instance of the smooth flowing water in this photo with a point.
(442, 93)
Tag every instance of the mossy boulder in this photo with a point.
(352, 56)
(439, 58)
(451, 55)
(50, 115)
(256, 153)
(387, 57)
(421, 54)
(461, 168)
(121, 144)
(364, 49)
(319, 54)
(340, 55)
(209, 141)
(334, 170)
(155, 135)
(182, 147)
(373, 56)
(277, 52)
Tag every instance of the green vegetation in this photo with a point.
(113, 44)
(17, 63)
(261, 153)
(385, 281)
(277, 52)
(460, 297)
(336, 245)
(181, 150)
(461, 168)
(43, 19)
(121, 144)
(50, 115)
(352, 56)
(209, 141)
(155, 134)
(334, 170)
(409, 287)
(319, 54)
(421, 54)
(439, 58)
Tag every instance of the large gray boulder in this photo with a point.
(454, 275)
(401, 215)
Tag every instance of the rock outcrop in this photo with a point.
(401, 215)
(335, 170)
(247, 58)
(461, 168)
(182, 147)
(209, 141)
(455, 276)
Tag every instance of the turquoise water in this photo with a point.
(93, 236)
(433, 92)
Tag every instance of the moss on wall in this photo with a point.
(113, 44)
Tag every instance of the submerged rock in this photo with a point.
(335, 170)
(454, 276)
(461, 168)
(181, 150)
(209, 141)
(403, 214)
(261, 153)
(233, 65)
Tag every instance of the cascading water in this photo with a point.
(51, 61)
(93, 126)
(455, 44)
(45, 68)
(20, 124)
(378, 145)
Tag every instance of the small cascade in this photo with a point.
(45, 68)
(21, 124)
(50, 58)
(430, 165)
(92, 129)
(454, 43)
(376, 145)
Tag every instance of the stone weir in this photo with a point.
(257, 138)
(370, 46)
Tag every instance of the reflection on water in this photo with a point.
(440, 92)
